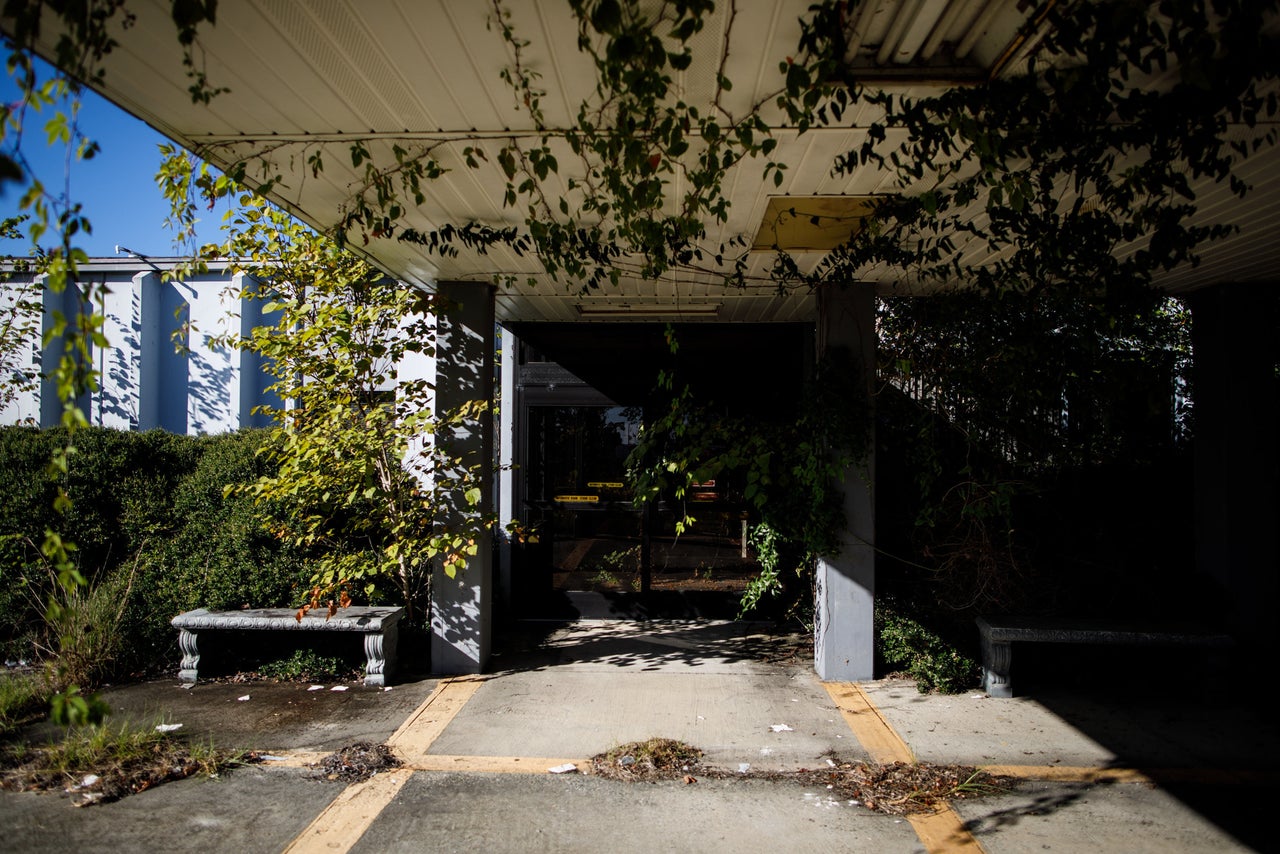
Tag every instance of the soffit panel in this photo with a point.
(415, 73)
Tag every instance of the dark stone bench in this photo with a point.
(1000, 633)
(379, 625)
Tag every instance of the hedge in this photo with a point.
(146, 505)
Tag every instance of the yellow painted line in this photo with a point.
(939, 831)
(873, 732)
(341, 824)
(1076, 774)
(495, 764)
(424, 726)
(943, 831)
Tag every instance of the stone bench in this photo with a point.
(1000, 633)
(379, 625)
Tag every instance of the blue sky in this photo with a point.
(117, 187)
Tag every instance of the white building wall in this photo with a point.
(24, 408)
(164, 367)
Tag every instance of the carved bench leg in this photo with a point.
(380, 656)
(997, 659)
(190, 656)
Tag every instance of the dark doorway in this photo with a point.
(573, 437)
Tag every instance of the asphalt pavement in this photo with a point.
(1162, 764)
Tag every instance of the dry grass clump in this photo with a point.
(357, 762)
(896, 788)
(647, 761)
(99, 764)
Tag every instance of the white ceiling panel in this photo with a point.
(315, 75)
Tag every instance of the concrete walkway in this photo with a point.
(1184, 769)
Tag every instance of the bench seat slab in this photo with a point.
(379, 625)
(999, 633)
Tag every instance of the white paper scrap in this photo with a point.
(781, 728)
(316, 688)
(566, 768)
(167, 727)
(338, 688)
(242, 699)
(744, 767)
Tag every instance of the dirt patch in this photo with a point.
(356, 762)
(898, 788)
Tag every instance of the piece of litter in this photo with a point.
(701, 718)
(744, 767)
(794, 700)
(242, 699)
(781, 728)
(89, 798)
(271, 757)
(627, 761)
(566, 768)
(853, 803)
(316, 688)
(187, 686)
(839, 736)
(89, 780)
(831, 763)
(167, 727)
(977, 696)
(387, 687)
(338, 688)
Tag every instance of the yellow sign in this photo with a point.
(603, 484)
(578, 499)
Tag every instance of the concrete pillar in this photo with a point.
(1234, 388)
(844, 607)
(461, 619)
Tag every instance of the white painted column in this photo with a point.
(461, 607)
(844, 606)
(506, 439)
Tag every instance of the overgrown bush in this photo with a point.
(119, 482)
(217, 555)
(936, 663)
(155, 537)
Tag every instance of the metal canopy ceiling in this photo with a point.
(316, 75)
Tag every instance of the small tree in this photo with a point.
(363, 478)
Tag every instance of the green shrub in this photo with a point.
(147, 506)
(120, 484)
(86, 628)
(22, 696)
(935, 663)
(307, 664)
(218, 554)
